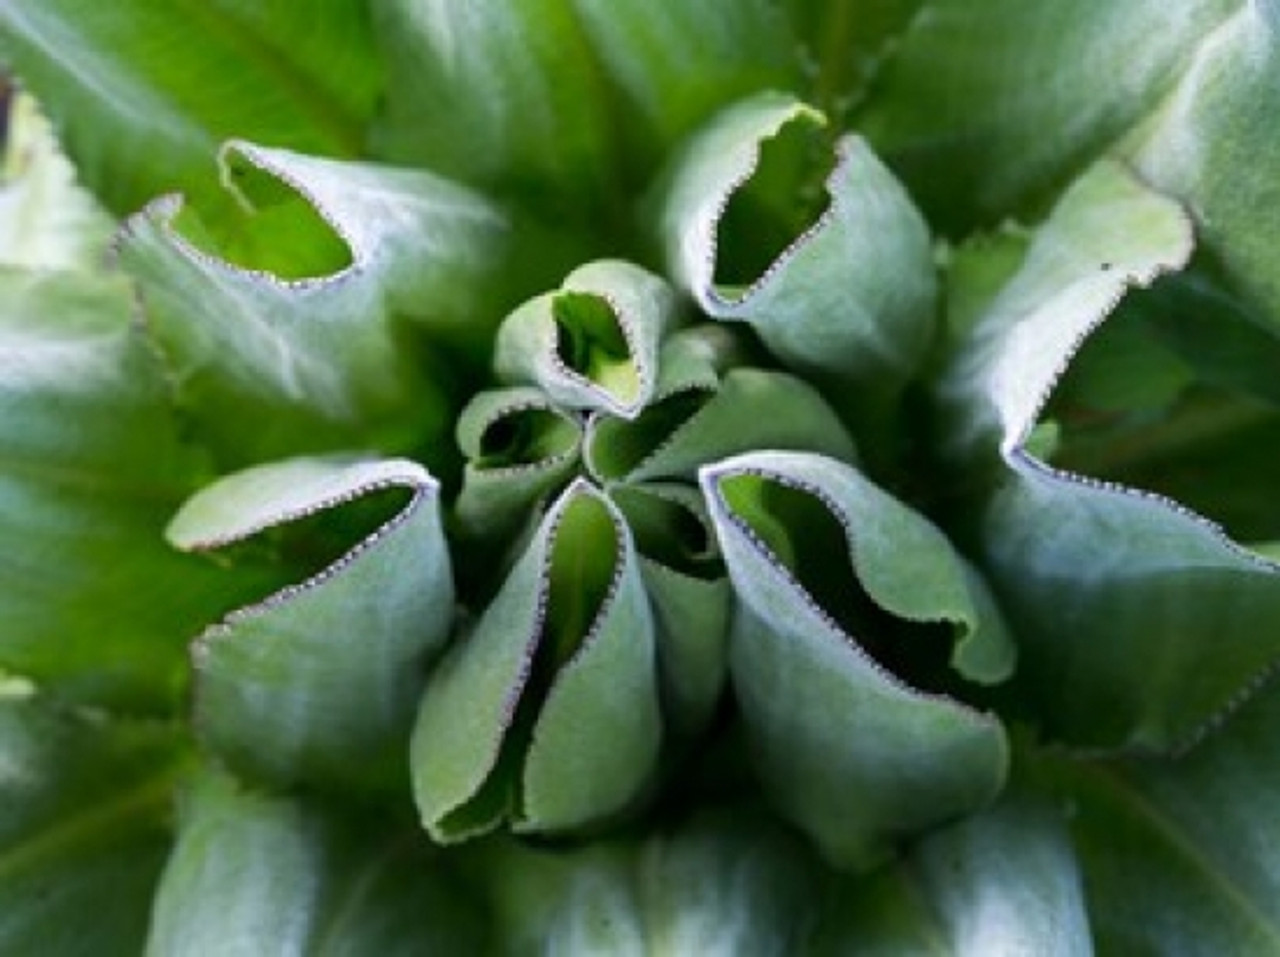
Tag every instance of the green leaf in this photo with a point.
(689, 427)
(1004, 881)
(850, 297)
(505, 96)
(316, 351)
(977, 135)
(546, 713)
(1137, 620)
(519, 447)
(255, 874)
(46, 220)
(740, 46)
(96, 607)
(1213, 144)
(1181, 856)
(849, 751)
(142, 92)
(319, 681)
(84, 819)
(593, 343)
(727, 882)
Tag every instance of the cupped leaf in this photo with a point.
(725, 882)
(850, 300)
(1138, 620)
(1181, 856)
(47, 220)
(506, 96)
(689, 594)
(748, 409)
(1213, 144)
(546, 713)
(593, 343)
(977, 137)
(1003, 882)
(519, 446)
(96, 607)
(318, 682)
(143, 92)
(84, 826)
(849, 751)
(252, 874)
(316, 353)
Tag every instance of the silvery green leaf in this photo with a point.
(47, 220)
(688, 593)
(253, 874)
(593, 343)
(318, 682)
(519, 446)
(849, 298)
(1213, 144)
(848, 750)
(289, 307)
(96, 607)
(84, 807)
(1137, 620)
(546, 713)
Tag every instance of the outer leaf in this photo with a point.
(317, 353)
(723, 883)
(252, 874)
(1214, 144)
(143, 91)
(851, 299)
(848, 751)
(96, 607)
(536, 121)
(1002, 883)
(546, 713)
(84, 807)
(1181, 857)
(976, 136)
(46, 219)
(593, 343)
(739, 46)
(1138, 621)
(319, 681)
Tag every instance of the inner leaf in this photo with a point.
(265, 225)
(808, 540)
(784, 198)
(590, 341)
(669, 532)
(1179, 398)
(525, 437)
(619, 446)
(583, 560)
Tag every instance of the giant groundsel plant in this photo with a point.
(746, 476)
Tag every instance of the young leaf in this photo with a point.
(849, 751)
(318, 682)
(546, 713)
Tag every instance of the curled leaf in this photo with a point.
(319, 681)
